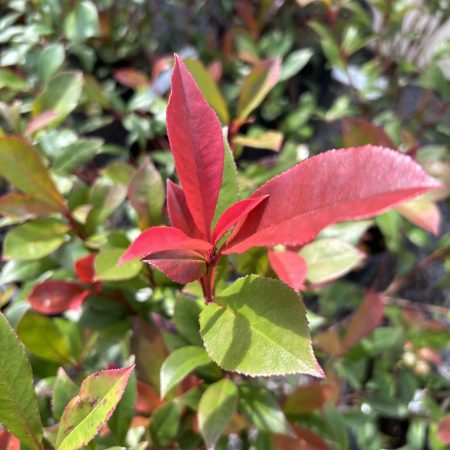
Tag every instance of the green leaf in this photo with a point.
(258, 327)
(21, 165)
(50, 60)
(63, 391)
(44, 338)
(146, 195)
(82, 23)
(76, 154)
(107, 268)
(34, 240)
(263, 77)
(121, 419)
(10, 80)
(229, 191)
(91, 408)
(18, 404)
(185, 318)
(61, 95)
(261, 409)
(165, 423)
(295, 62)
(209, 88)
(328, 259)
(216, 409)
(17, 270)
(179, 364)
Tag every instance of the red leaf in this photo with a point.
(306, 440)
(39, 122)
(84, 269)
(57, 296)
(131, 78)
(8, 441)
(361, 132)
(290, 267)
(443, 430)
(196, 141)
(159, 239)
(339, 185)
(232, 215)
(179, 214)
(181, 266)
(366, 318)
(147, 398)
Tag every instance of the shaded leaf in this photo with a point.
(328, 259)
(21, 165)
(179, 364)
(258, 327)
(358, 132)
(307, 398)
(209, 88)
(165, 423)
(16, 270)
(82, 23)
(18, 404)
(131, 78)
(196, 141)
(185, 318)
(74, 155)
(56, 296)
(366, 318)
(290, 268)
(146, 195)
(63, 391)
(50, 60)
(356, 193)
(262, 410)
(34, 240)
(44, 338)
(216, 408)
(305, 439)
(181, 266)
(257, 85)
(87, 412)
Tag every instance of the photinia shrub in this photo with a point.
(258, 326)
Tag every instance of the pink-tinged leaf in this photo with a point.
(443, 430)
(84, 269)
(196, 141)
(8, 441)
(39, 122)
(131, 78)
(179, 214)
(305, 440)
(346, 184)
(22, 206)
(57, 296)
(290, 267)
(307, 398)
(263, 77)
(235, 213)
(358, 132)
(330, 342)
(87, 413)
(421, 212)
(181, 266)
(366, 318)
(159, 239)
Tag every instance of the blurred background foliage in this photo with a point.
(86, 83)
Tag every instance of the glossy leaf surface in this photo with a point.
(57, 296)
(258, 327)
(195, 138)
(91, 408)
(366, 181)
(18, 403)
(179, 364)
